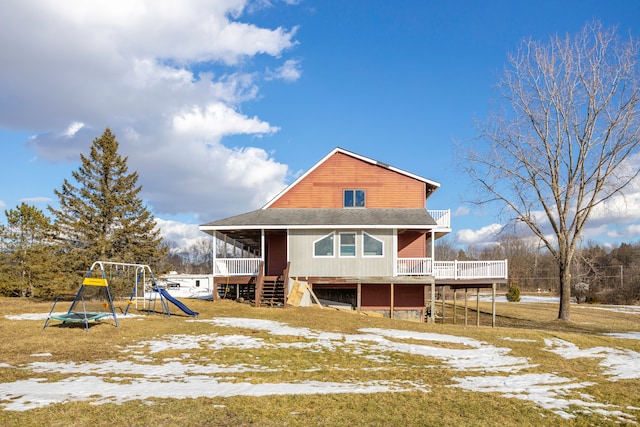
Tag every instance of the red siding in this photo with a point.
(412, 244)
(375, 296)
(379, 295)
(409, 296)
(323, 187)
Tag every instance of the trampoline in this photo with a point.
(92, 303)
(77, 317)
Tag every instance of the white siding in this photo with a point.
(303, 263)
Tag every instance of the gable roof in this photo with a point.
(431, 186)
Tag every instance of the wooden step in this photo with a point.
(272, 292)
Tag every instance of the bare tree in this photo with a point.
(445, 250)
(200, 255)
(564, 139)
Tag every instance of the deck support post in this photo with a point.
(444, 289)
(424, 304)
(391, 305)
(477, 306)
(358, 296)
(493, 305)
(454, 304)
(213, 257)
(465, 306)
(432, 303)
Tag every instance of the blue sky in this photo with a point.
(220, 104)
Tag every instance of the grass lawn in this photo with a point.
(238, 365)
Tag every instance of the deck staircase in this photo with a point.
(271, 290)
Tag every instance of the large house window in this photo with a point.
(354, 198)
(347, 244)
(323, 247)
(371, 246)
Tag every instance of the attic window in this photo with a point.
(354, 198)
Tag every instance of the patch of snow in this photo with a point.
(270, 326)
(37, 392)
(479, 356)
(619, 364)
(627, 335)
(523, 298)
(546, 390)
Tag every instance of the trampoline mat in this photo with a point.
(80, 316)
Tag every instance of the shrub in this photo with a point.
(514, 294)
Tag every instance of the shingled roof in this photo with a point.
(325, 218)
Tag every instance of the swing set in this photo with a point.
(94, 301)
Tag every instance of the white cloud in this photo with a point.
(289, 71)
(461, 211)
(73, 129)
(633, 229)
(209, 179)
(168, 78)
(215, 121)
(186, 31)
(184, 235)
(620, 208)
(2, 205)
(486, 234)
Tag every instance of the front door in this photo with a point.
(276, 252)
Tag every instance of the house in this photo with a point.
(357, 231)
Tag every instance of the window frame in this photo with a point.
(371, 236)
(333, 246)
(354, 198)
(355, 244)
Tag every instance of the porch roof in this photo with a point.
(285, 218)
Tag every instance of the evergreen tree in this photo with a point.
(103, 217)
(28, 266)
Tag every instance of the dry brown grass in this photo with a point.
(443, 405)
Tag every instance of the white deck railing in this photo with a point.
(404, 267)
(441, 217)
(236, 266)
(471, 269)
(414, 267)
(452, 269)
